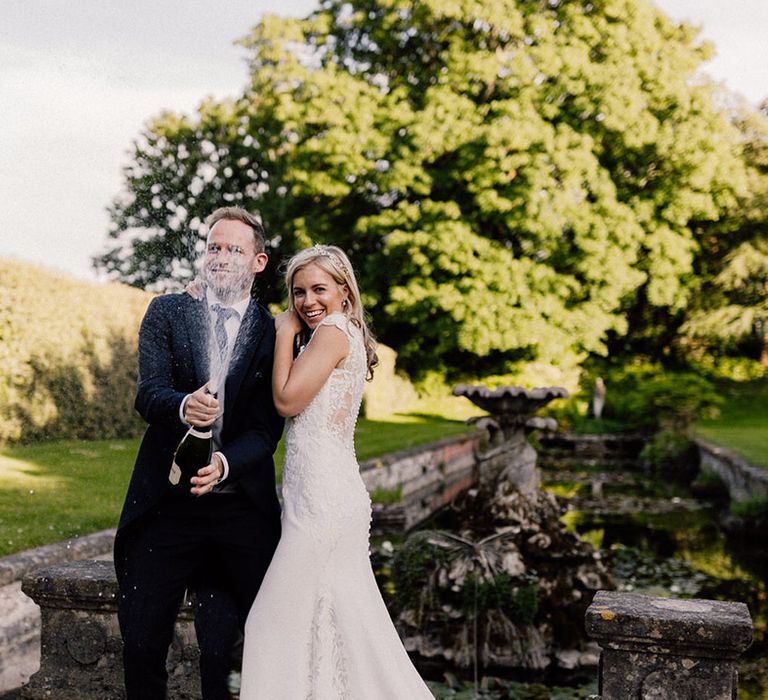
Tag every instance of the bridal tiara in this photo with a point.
(324, 252)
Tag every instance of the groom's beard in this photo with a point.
(229, 283)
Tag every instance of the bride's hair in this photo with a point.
(334, 261)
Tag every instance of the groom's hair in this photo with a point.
(240, 214)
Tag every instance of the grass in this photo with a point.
(53, 491)
(743, 421)
(57, 490)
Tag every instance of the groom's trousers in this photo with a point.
(217, 546)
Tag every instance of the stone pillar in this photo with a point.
(81, 648)
(666, 648)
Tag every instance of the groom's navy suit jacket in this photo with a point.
(173, 362)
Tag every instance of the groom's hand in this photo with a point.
(207, 477)
(202, 408)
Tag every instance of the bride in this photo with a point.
(319, 629)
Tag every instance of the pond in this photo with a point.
(657, 538)
(654, 537)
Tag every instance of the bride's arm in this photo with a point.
(296, 383)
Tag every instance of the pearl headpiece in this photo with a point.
(323, 251)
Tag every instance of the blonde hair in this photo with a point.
(334, 261)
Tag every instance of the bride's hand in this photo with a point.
(195, 289)
(288, 320)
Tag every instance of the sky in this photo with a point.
(79, 79)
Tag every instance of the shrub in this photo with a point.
(737, 369)
(648, 397)
(67, 356)
(755, 508)
(672, 452)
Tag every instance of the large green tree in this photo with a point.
(513, 179)
(731, 312)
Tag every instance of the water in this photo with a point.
(658, 539)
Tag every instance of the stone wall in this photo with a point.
(20, 616)
(743, 480)
(566, 449)
(419, 481)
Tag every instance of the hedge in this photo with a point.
(67, 356)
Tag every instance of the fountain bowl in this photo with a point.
(509, 401)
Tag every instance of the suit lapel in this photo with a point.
(247, 342)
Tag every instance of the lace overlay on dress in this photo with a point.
(320, 470)
(328, 673)
(336, 405)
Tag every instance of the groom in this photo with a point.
(216, 533)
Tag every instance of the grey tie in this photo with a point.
(223, 314)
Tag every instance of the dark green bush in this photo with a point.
(672, 452)
(755, 508)
(648, 397)
(638, 396)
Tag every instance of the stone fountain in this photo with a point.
(509, 456)
(498, 585)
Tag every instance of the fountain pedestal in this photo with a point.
(499, 585)
(668, 648)
(509, 456)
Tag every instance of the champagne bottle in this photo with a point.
(193, 453)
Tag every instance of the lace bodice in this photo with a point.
(321, 477)
(333, 412)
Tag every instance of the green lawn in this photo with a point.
(52, 491)
(743, 421)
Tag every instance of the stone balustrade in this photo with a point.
(19, 616)
(667, 649)
(81, 648)
(743, 480)
(651, 648)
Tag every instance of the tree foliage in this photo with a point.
(732, 311)
(514, 180)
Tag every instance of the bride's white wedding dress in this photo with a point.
(319, 629)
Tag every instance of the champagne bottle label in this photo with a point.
(202, 433)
